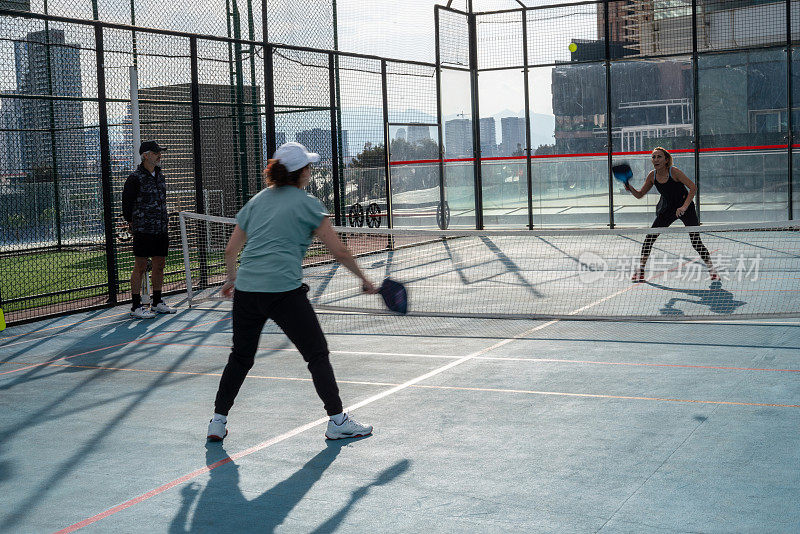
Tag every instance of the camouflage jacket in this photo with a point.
(144, 201)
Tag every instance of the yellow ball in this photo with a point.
(573, 47)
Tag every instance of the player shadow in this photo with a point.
(92, 365)
(718, 300)
(222, 506)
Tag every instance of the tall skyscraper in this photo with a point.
(488, 137)
(10, 135)
(400, 134)
(513, 132)
(46, 64)
(458, 138)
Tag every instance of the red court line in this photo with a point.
(506, 358)
(112, 346)
(151, 493)
(3, 338)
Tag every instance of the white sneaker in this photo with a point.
(216, 430)
(142, 313)
(162, 307)
(350, 428)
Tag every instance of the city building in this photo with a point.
(46, 64)
(458, 138)
(513, 132)
(488, 137)
(418, 132)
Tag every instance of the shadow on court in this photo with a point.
(717, 299)
(222, 507)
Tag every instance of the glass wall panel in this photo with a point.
(414, 145)
(652, 106)
(570, 166)
(743, 155)
(459, 175)
(502, 130)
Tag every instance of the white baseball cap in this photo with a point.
(294, 156)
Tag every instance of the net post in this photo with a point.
(186, 259)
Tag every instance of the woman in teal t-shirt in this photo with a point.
(275, 228)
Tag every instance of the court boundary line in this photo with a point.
(456, 388)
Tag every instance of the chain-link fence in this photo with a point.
(81, 87)
(403, 143)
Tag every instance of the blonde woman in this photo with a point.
(676, 202)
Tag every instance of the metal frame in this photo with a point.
(105, 166)
(387, 147)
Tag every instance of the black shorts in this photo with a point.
(150, 245)
(666, 218)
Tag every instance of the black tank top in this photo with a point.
(673, 194)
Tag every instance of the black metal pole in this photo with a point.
(337, 201)
(196, 128)
(476, 116)
(386, 144)
(105, 167)
(609, 125)
(269, 85)
(443, 223)
(789, 103)
(52, 124)
(528, 166)
(197, 148)
(696, 106)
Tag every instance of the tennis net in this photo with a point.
(539, 274)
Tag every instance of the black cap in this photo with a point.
(150, 146)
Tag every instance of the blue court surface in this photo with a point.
(480, 425)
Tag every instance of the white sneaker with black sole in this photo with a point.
(350, 428)
(142, 313)
(162, 307)
(216, 430)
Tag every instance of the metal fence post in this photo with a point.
(789, 104)
(442, 219)
(197, 148)
(528, 166)
(337, 191)
(387, 144)
(696, 106)
(476, 117)
(269, 100)
(609, 126)
(105, 168)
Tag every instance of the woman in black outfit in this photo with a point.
(677, 194)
